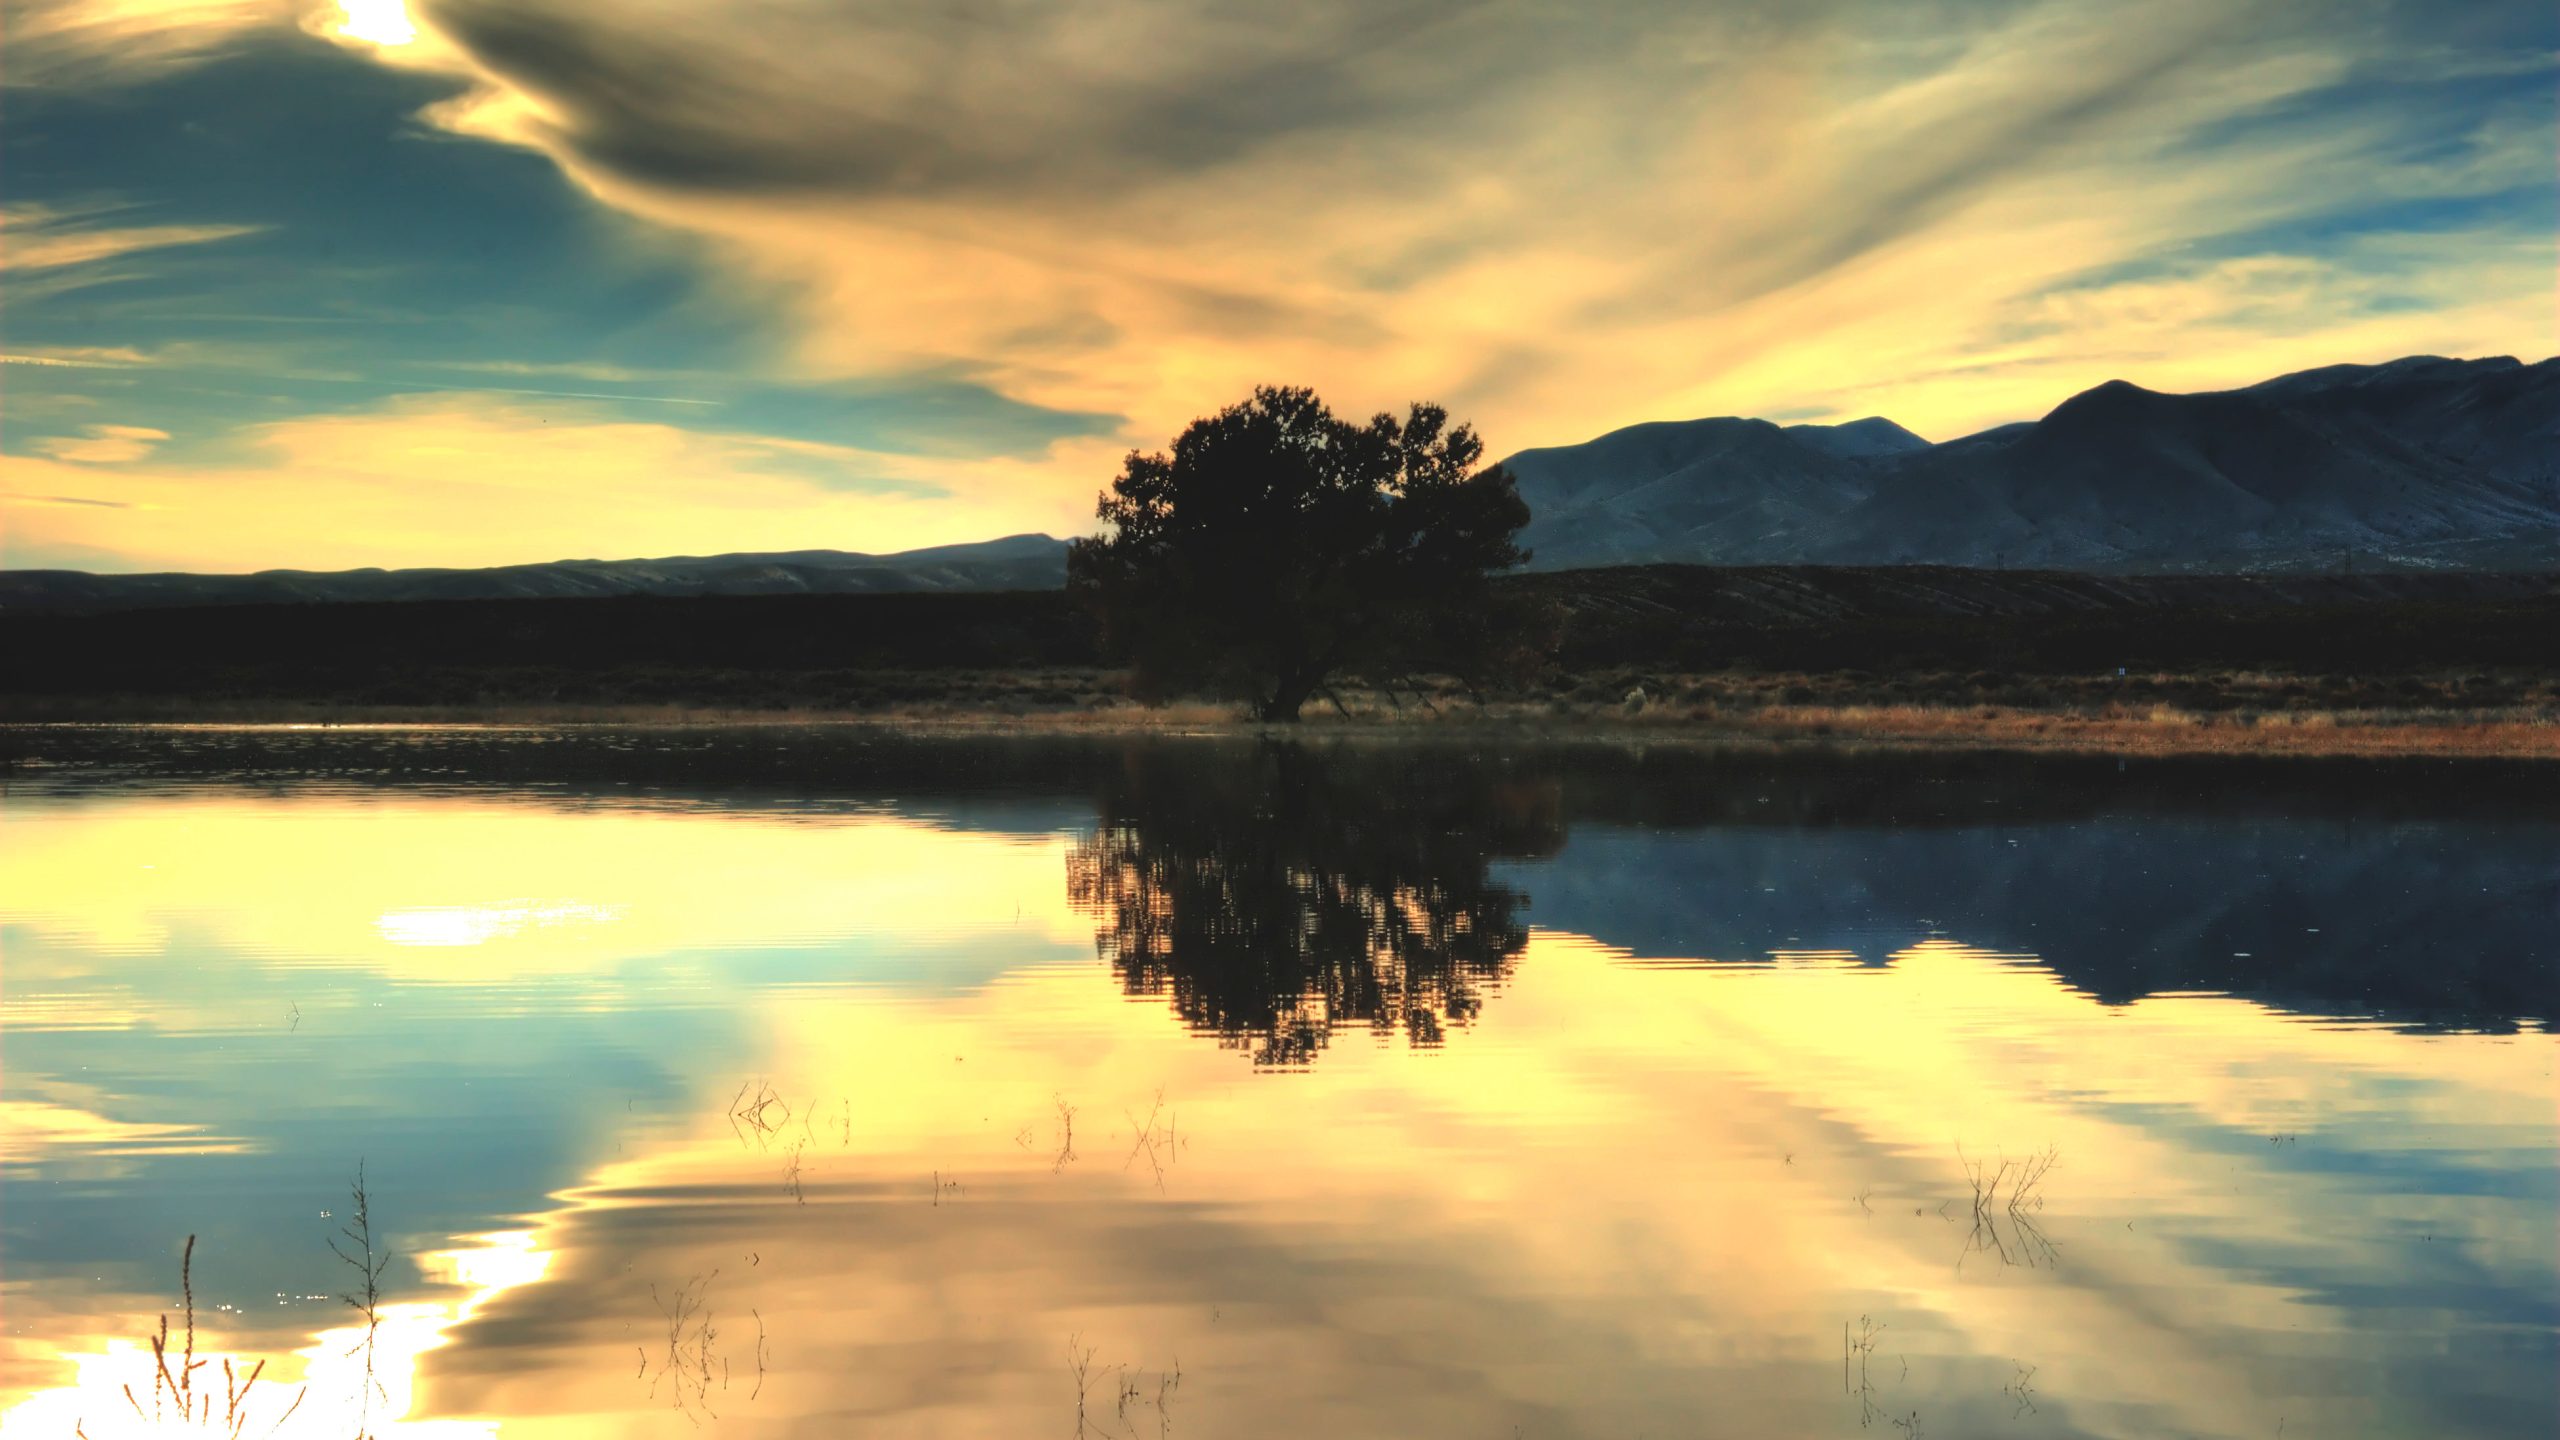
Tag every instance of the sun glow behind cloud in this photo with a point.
(376, 22)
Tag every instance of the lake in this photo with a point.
(773, 1081)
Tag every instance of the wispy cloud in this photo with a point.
(35, 238)
(14, 497)
(80, 357)
(93, 42)
(573, 370)
(555, 394)
(1562, 220)
(103, 444)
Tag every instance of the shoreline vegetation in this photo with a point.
(1912, 658)
(2245, 714)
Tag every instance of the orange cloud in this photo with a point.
(57, 42)
(1558, 228)
(1556, 223)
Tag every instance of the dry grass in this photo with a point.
(2163, 730)
(2252, 712)
(179, 1387)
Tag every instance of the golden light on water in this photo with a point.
(487, 889)
(781, 1180)
(347, 1381)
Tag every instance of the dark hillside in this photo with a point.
(1933, 617)
(628, 649)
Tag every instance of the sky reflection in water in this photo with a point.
(792, 1085)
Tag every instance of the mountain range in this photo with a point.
(1016, 562)
(2423, 463)
(2420, 464)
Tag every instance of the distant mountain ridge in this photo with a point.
(2422, 463)
(2419, 464)
(1015, 562)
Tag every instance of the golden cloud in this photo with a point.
(71, 42)
(1145, 207)
(104, 444)
(79, 357)
(1556, 222)
(476, 479)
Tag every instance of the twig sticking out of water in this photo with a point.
(1166, 1384)
(692, 1353)
(1080, 1369)
(1157, 1139)
(1066, 1135)
(1857, 1348)
(2021, 1391)
(2010, 1185)
(1129, 1393)
(2008, 1190)
(194, 1407)
(358, 1254)
(759, 1109)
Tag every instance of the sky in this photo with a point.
(331, 283)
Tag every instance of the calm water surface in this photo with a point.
(786, 1083)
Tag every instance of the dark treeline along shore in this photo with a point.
(1717, 636)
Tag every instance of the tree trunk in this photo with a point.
(1288, 696)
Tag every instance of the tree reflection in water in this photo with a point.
(1279, 893)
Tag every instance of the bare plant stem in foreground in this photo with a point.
(1066, 1135)
(178, 1386)
(365, 1299)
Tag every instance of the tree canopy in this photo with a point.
(1277, 545)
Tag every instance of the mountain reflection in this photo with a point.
(1788, 1051)
(2415, 893)
(1280, 894)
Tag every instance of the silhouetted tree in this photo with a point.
(1276, 546)
(1277, 894)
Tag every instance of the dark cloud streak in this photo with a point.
(984, 97)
